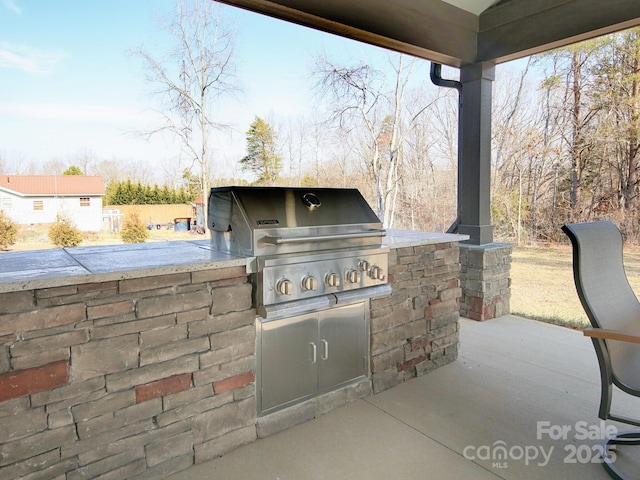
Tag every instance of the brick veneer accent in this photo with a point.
(234, 382)
(31, 380)
(163, 387)
(415, 330)
(135, 378)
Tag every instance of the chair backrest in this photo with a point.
(604, 291)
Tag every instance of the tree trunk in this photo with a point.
(576, 163)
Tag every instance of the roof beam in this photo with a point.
(429, 29)
(519, 28)
(438, 31)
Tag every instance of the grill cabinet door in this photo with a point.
(289, 359)
(342, 351)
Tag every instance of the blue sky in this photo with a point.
(68, 81)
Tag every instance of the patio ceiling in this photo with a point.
(457, 32)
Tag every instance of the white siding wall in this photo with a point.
(21, 210)
(87, 218)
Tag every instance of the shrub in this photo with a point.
(133, 230)
(64, 233)
(8, 231)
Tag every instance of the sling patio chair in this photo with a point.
(614, 313)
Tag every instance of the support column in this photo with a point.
(474, 153)
(485, 265)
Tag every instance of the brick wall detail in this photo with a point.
(129, 379)
(415, 330)
(17, 383)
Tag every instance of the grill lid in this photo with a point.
(273, 207)
(268, 220)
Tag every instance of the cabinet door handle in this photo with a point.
(325, 356)
(314, 352)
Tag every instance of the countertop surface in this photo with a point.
(57, 267)
(410, 238)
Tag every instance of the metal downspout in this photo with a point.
(436, 79)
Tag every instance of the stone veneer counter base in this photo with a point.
(138, 361)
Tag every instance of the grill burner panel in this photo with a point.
(292, 277)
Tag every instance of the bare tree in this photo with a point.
(617, 90)
(85, 159)
(120, 169)
(364, 104)
(572, 69)
(515, 154)
(292, 141)
(192, 77)
(55, 166)
(17, 164)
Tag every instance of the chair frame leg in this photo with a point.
(606, 378)
(622, 438)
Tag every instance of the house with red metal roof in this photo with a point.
(38, 199)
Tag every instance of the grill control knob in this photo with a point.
(363, 265)
(284, 287)
(353, 276)
(376, 273)
(332, 280)
(309, 283)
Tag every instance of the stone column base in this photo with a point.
(485, 280)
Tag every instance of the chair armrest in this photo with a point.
(611, 335)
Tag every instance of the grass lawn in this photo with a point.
(542, 283)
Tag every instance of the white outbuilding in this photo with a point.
(39, 199)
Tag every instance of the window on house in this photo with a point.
(85, 201)
(6, 204)
(38, 205)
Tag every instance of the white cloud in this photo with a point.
(10, 5)
(29, 59)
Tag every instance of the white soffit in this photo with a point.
(473, 6)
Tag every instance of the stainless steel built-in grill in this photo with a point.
(314, 245)
(316, 260)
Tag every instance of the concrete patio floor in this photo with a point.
(527, 386)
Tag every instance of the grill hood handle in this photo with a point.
(278, 240)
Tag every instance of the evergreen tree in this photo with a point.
(73, 170)
(134, 230)
(126, 193)
(166, 196)
(193, 182)
(262, 158)
(184, 196)
(8, 231)
(63, 233)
